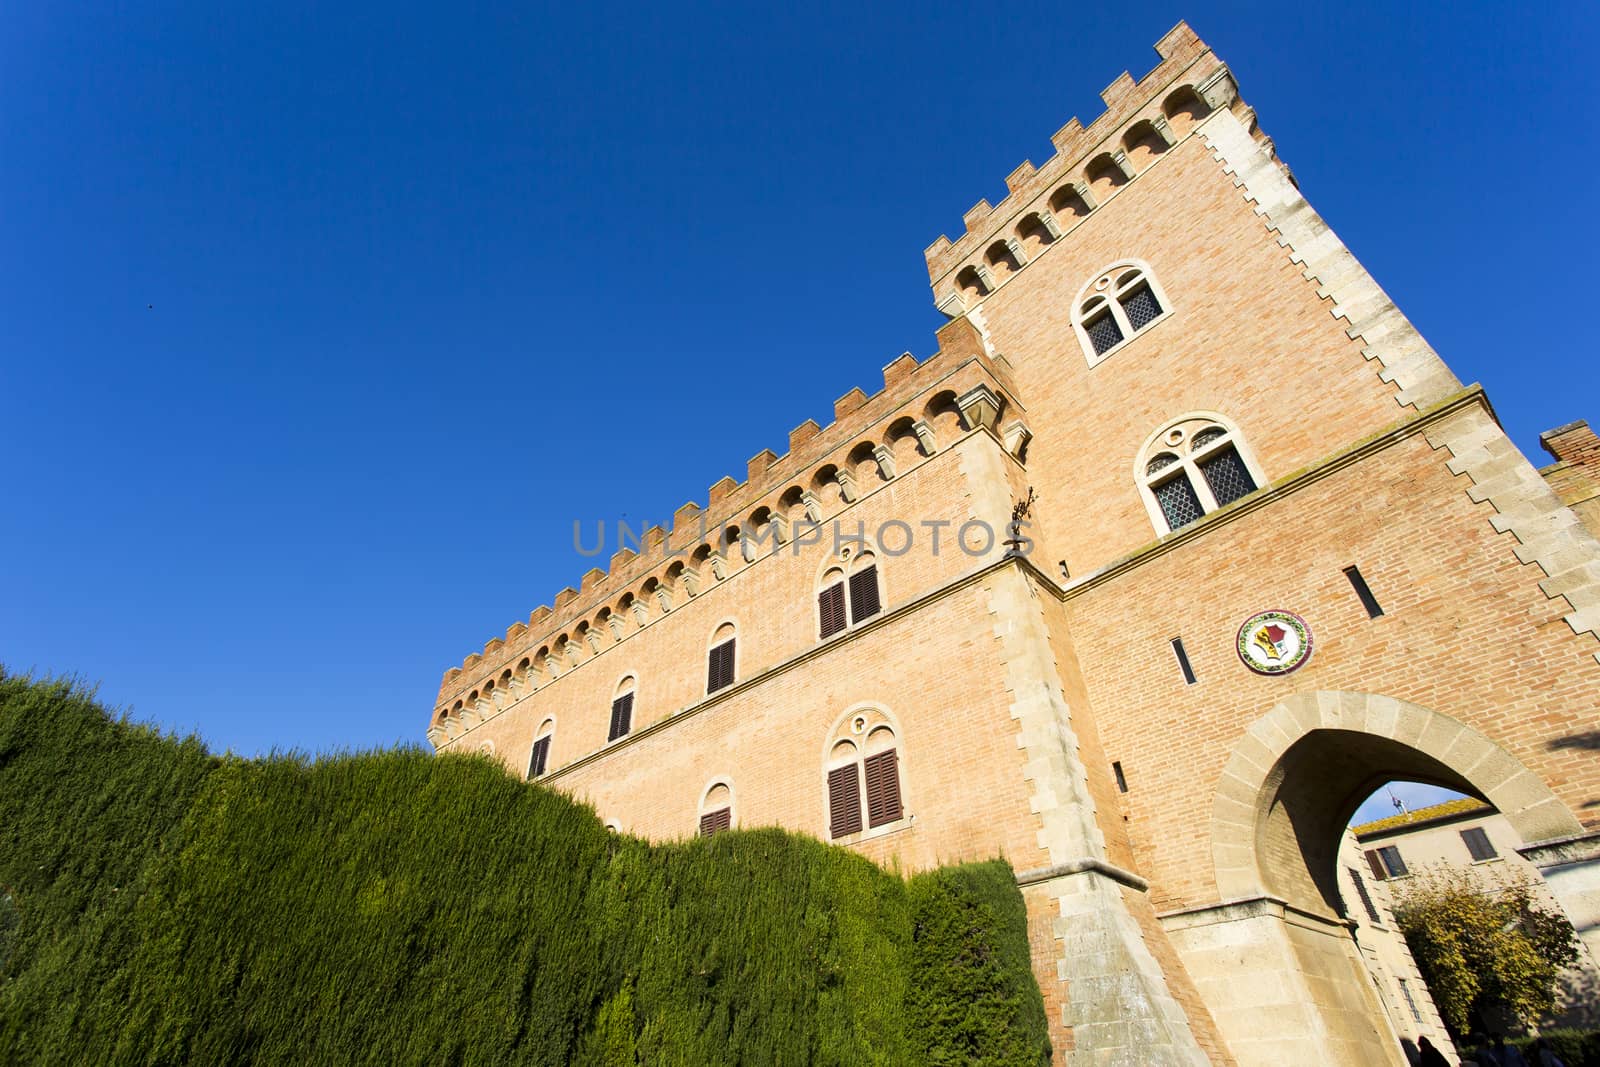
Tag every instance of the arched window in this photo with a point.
(540, 759)
(622, 709)
(716, 808)
(1112, 309)
(863, 775)
(850, 593)
(1195, 465)
(720, 660)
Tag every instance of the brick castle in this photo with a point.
(1182, 401)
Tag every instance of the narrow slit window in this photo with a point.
(1122, 782)
(1183, 661)
(1364, 592)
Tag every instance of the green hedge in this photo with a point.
(160, 905)
(1576, 1048)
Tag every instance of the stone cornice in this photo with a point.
(1081, 866)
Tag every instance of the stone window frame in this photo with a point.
(839, 569)
(539, 734)
(713, 642)
(856, 726)
(705, 807)
(627, 683)
(1106, 289)
(1173, 439)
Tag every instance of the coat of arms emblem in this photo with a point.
(1274, 642)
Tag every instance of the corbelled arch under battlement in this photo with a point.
(1296, 776)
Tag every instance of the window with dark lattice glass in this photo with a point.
(830, 609)
(1478, 844)
(844, 801)
(1141, 307)
(883, 788)
(1226, 475)
(1366, 898)
(864, 593)
(719, 673)
(621, 716)
(715, 821)
(1103, 331)
(1178, 502)
(541, 755)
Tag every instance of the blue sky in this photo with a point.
(317, 322)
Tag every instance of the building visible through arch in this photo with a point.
(1143, 585)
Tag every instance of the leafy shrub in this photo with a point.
(1480, 944)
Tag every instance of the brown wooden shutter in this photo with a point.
(713, 821)
(621, 716)
(1376, 863)
(719, 672)
(864, 593)
(844, 801)
(883, 788)
(830, 609)
(541, 754)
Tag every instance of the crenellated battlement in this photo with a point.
(1142, 119)
(921, 409)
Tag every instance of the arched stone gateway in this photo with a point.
(1276, 955)
(1298, 774)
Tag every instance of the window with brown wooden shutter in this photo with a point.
(541, 754)
(883, 788)
(830, 609)
(719, 673)
(715, 821)
(864, 594)
(844, 801)
(621, 716)
(1376, 864)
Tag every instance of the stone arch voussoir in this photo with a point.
(1252, 773)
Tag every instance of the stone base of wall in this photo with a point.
(1284, 986)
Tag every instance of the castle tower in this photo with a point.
(1272, 553)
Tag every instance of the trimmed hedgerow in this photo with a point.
(160, 905)
(975, 999)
